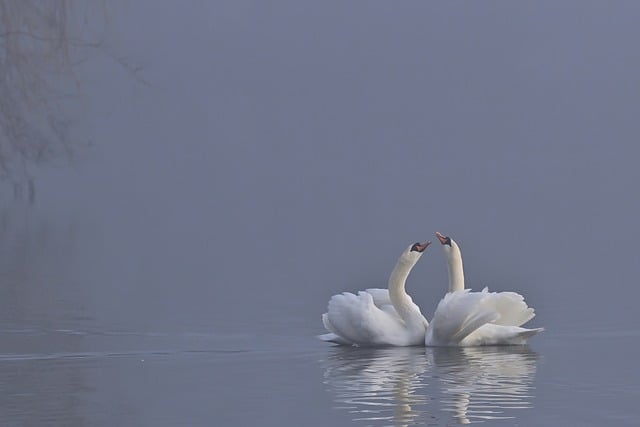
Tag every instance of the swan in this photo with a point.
(379, 317)
(464, 318)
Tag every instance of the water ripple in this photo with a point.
(407, 386)
(101, 354)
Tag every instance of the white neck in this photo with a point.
(401, 301)
(456, 271)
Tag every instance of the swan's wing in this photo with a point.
(356, 319)
(511, 306)
(493, 334)
(382, 301)
(332, 336)
(380, 296)
(459, 314)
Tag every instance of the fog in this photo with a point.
(283, 152)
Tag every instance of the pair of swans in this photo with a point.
(382, 317)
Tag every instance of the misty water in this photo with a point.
(175, 272)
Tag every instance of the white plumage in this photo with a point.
(465, 318)
(378, 317)
(389, 317)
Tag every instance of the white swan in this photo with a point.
(378, 317)
(465, 318)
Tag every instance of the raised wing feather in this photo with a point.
(459, 314)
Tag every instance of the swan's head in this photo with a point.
(445, 240)
(414, 252)
(448, 244)
(419, 247)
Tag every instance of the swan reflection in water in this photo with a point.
(404, 386)
(377, 385)
(484, 383)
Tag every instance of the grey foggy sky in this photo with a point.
(287, 151)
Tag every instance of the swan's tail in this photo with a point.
(492, 334)
(525, 334)
(331, 337)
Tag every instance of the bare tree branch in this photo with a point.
(39, 47)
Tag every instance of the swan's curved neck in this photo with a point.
(456, 272)
(398, 296)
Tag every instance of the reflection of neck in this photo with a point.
(462, 407)
(399, 298)
(403, 413)
(456, 272)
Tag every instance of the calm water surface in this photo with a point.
(73, 377)
(59, 366)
